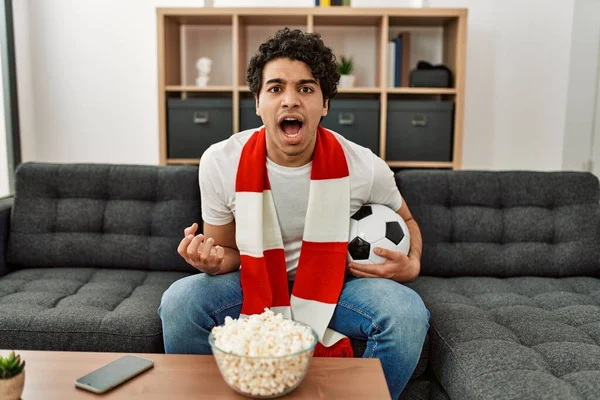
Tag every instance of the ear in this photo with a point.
(256, 105)
(325, 107)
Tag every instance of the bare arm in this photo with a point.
(224, 235)
(416, 246)
(214, 252)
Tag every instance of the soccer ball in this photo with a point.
(376, 225)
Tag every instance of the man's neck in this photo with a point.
(293, 161)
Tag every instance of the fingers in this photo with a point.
(188, 236)
(365, 270)
(194, 249)
(384, 270)
(190, 230)
(213, 263)
(389, 254)
(182, 249)
(220, 252)
(201, 253)
(205, 252)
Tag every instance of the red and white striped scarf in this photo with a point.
(321, 267)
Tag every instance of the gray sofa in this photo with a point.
(510, 271)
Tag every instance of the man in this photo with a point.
(293, 76)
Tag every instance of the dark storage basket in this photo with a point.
(419, 130)
(195, 124)
(355, 119)
(248, 117)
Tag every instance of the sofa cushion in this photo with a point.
(509, 223)
(5, 210)
(106, 216)
(83, 309)
(426, 388)
(516, 338)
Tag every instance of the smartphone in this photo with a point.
(111, 375)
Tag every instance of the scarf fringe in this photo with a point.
(343, 348)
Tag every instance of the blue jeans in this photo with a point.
(389, 316)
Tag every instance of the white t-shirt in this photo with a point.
(371, 181)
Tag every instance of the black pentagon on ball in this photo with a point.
(359, 249)
(363, 212)
(393, 231)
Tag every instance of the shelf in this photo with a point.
(206, 41)
(183, 161)
(231, 36)
(413, 16)
(359, 42)
(422, 20)
(277, 20)
(420, 164)
(359, 90)
(175, 88)
(392, 164)
(354, 90)
(347, 20)
(411, 90)
(374, 90)
(195, 18)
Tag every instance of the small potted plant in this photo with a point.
(12, 377)
(346, 68)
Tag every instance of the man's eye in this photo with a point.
(306, 89)
(275, 89)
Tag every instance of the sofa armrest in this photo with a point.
(5, 210)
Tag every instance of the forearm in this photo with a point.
(231, 261)
(416, 241)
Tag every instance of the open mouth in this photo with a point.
(291, 127)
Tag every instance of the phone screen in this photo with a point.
(113, 374)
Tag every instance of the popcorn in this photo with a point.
(260, 362)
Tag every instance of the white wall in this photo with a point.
(585, 53)
(94, 85)
(517, 64)
(4, 181)
(27, 117)
(596, 123)
(88, 79)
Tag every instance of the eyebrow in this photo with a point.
(300, 82)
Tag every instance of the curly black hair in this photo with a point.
(296, 45)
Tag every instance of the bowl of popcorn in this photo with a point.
(264, 355)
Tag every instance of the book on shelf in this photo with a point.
(399, 60)
(331, 3)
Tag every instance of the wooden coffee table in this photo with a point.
(51, 375)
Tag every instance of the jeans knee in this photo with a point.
(416, 306)
(403, 306)
(179, 297)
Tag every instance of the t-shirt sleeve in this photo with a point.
(384, 189)
(215, 210)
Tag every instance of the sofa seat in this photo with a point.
(83, 309)
(426, 387)
(514, 338)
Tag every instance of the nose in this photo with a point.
(290, 99)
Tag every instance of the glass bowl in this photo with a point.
(263, 377)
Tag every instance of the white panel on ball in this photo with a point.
(384, 244)
(376, 225)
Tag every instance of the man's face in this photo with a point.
(291, 105)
